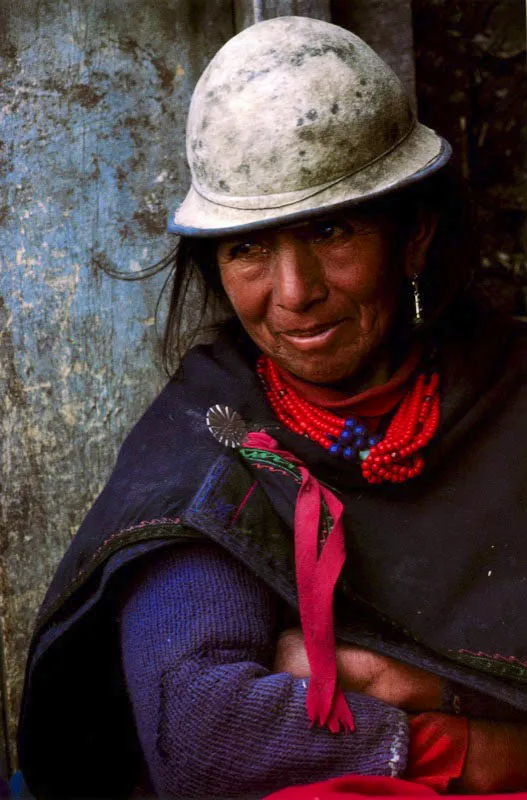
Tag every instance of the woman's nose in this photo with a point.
(299, 276)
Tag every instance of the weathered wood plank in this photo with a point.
(93, 105)
(5, 755)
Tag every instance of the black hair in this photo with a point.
(450, 263)
(195, 287)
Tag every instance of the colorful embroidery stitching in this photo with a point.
(263, 458)
(505, 666)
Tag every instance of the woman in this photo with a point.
(315, 533)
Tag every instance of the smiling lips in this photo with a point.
(305, 338)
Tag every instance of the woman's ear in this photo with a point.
(418, 242)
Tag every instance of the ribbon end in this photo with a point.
(337, 719)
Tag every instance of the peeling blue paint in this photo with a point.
(93, 102)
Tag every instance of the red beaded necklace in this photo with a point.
(394, 457)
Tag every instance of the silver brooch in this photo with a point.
(226, 425)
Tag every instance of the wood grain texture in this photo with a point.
(93, 105)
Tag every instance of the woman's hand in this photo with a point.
(361, 670)
(496, 759)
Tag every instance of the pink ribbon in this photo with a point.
(316, 576)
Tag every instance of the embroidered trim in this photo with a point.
(155, 529)
(263, 458)
(497, 664)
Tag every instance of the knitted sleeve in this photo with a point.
(198, 639)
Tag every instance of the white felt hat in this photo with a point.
(294, 117)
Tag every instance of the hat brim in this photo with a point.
(421, 154)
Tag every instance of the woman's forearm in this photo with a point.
(198, 640)
(372, 674)
(486, 755)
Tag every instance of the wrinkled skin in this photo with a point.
(320, 298)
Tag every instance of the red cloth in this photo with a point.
(438, 749)
(316, 577)
(348, 787)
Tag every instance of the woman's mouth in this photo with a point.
(314, 336)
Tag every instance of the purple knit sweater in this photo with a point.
(198, 633)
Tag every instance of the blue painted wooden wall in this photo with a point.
(93, 101)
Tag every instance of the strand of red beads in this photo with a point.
(396, 457)
(393, 458)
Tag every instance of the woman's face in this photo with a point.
(319, 298)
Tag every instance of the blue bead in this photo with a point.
(350, 422)
(335, 450)
(346, 435)
(360, 442)
(373, 440)
(349, 453)
(360, 430)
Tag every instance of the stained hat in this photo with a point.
(294, 117)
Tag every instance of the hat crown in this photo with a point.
(290, 105)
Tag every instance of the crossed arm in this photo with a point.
(497, 752)
(216, 716)
(198, 639)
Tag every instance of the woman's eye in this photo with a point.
(246, 250)
(327, 231)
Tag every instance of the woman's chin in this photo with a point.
(320, 369)
(339, 354)
(347, 369)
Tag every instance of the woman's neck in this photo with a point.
(375, 373)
